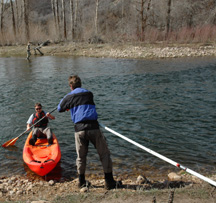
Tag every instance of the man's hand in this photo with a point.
(50, 116)
(28, 127)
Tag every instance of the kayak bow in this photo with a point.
(41, 158)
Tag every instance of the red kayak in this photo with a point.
(41, 158)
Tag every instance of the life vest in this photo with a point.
(37, 117)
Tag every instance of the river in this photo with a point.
(166, 105)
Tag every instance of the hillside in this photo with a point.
(147, 21)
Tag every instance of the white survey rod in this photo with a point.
(160, 156)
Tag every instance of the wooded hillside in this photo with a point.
(97, 21)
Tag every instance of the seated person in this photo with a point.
(40, 130)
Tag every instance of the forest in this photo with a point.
(107, 21)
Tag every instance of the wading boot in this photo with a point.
(82, 182)
(110, 183)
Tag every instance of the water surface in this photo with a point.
(166, 105)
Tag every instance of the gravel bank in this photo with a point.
(146, 51)
(132, 51)
(185, 186)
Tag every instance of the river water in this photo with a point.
(167, 105)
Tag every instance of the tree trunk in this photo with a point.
(2, 15)
(96, 17)
(54, 14)
(168, 18)
(72, 19)
(142, 20)
(17, 15)
(64, 20)
(75, 18)
(122, 14)
(13, 18)
(57, 17)
(26, 21)
(144, 17)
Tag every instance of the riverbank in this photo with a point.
(117, 50)
(176, 188)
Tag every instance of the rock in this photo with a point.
(10, 182)
(174, 177)
(41, 183)
(19, 192)
(13, 178)
(11, 192)
(141, 180)
(25, 181)
(196, 179)
(29, 188)
(84, 189)
(51, 182)
(213, 177)
(15, 189)
(61, 189)
(1, 187)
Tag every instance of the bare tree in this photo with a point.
(144, 17)
(122, 14)
(168, 17)
(26, 21)
(75, 18)
(64, 20)
(57, 17)
(154, 18)
(54, 13)
(17, 14)
(147, 14)
(72, 18)
(13, 18)
(2, 15)
(96, 17)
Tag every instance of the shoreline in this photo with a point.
(181, 187)
(117, 50)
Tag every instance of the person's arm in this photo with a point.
(64, 104)
(28, 126)
(50, 116)
(29, 122)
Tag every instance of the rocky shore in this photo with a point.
(138, 51)
(179, 187)
(117, 50)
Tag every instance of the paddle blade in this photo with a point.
(10, 142)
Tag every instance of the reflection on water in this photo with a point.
(165, 105)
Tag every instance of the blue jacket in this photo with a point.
(81, 104)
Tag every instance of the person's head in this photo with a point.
(74, 81)
(38, 107)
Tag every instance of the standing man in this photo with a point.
(41, 129)
(83, 114)
(28, 51)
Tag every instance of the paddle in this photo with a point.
(13, 141)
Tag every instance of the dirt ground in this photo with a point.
(188, 189)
